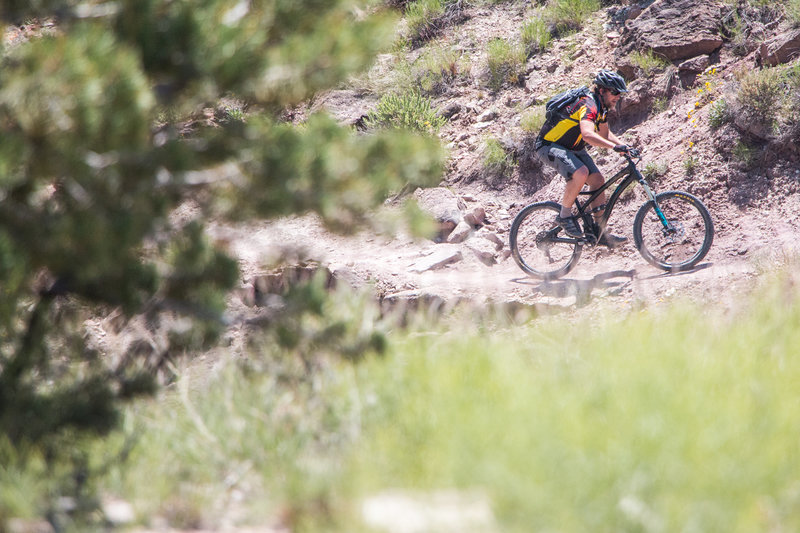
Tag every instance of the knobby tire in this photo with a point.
(685, 242)
(538, 246)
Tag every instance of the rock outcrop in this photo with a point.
(444, 206)
(674, 29)
(780, 49)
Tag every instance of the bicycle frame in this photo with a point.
(631, 174)
(542, 249)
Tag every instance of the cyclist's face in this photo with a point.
(611, 98)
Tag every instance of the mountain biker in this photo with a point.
(562, 141)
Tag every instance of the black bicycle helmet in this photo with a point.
(610, 80)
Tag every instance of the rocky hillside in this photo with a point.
(694, 71)
(692, 109)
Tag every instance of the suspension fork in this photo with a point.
(652, 197)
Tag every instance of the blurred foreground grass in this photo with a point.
(668, 419)
(672, 420)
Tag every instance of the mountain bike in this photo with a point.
(673, 230)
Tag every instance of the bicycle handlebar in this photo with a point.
(632, 154)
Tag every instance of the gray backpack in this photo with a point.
(555, 106)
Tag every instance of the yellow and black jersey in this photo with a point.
(565, 130)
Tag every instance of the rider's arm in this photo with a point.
(608, 134)
(596, 138)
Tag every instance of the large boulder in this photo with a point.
(749, 124)
(674, 29)
(443, 206)
(638, 100)
(780, 49)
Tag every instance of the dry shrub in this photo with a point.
(760, 93)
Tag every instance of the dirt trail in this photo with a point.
(755, 209)
(617, 278)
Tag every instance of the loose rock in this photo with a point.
(444, 255)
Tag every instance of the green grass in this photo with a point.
(672, 420)
(660, 104)
(667, 418)
(506, 61)
(737, 30)
(648, 62)
(269, 430)
(790, 123)
(691, 164)
(792, 75)
(234, 114)
(793, 12)
(439, 67)
(568, 16)
(425, 17)
(532, 120)
(422, 16)
(744, 153)
(535, 36)
(247, 432)
(655, 170)
(407, 110)
(495, 160)
(719, 114)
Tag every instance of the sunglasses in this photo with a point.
(615, 92)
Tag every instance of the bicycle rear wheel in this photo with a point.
(539, 246)
(679, 241)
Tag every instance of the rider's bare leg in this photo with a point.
(573, 187)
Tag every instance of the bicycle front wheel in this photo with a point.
(678, 237)
(539, 246)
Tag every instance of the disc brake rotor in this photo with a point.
(675, 233)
